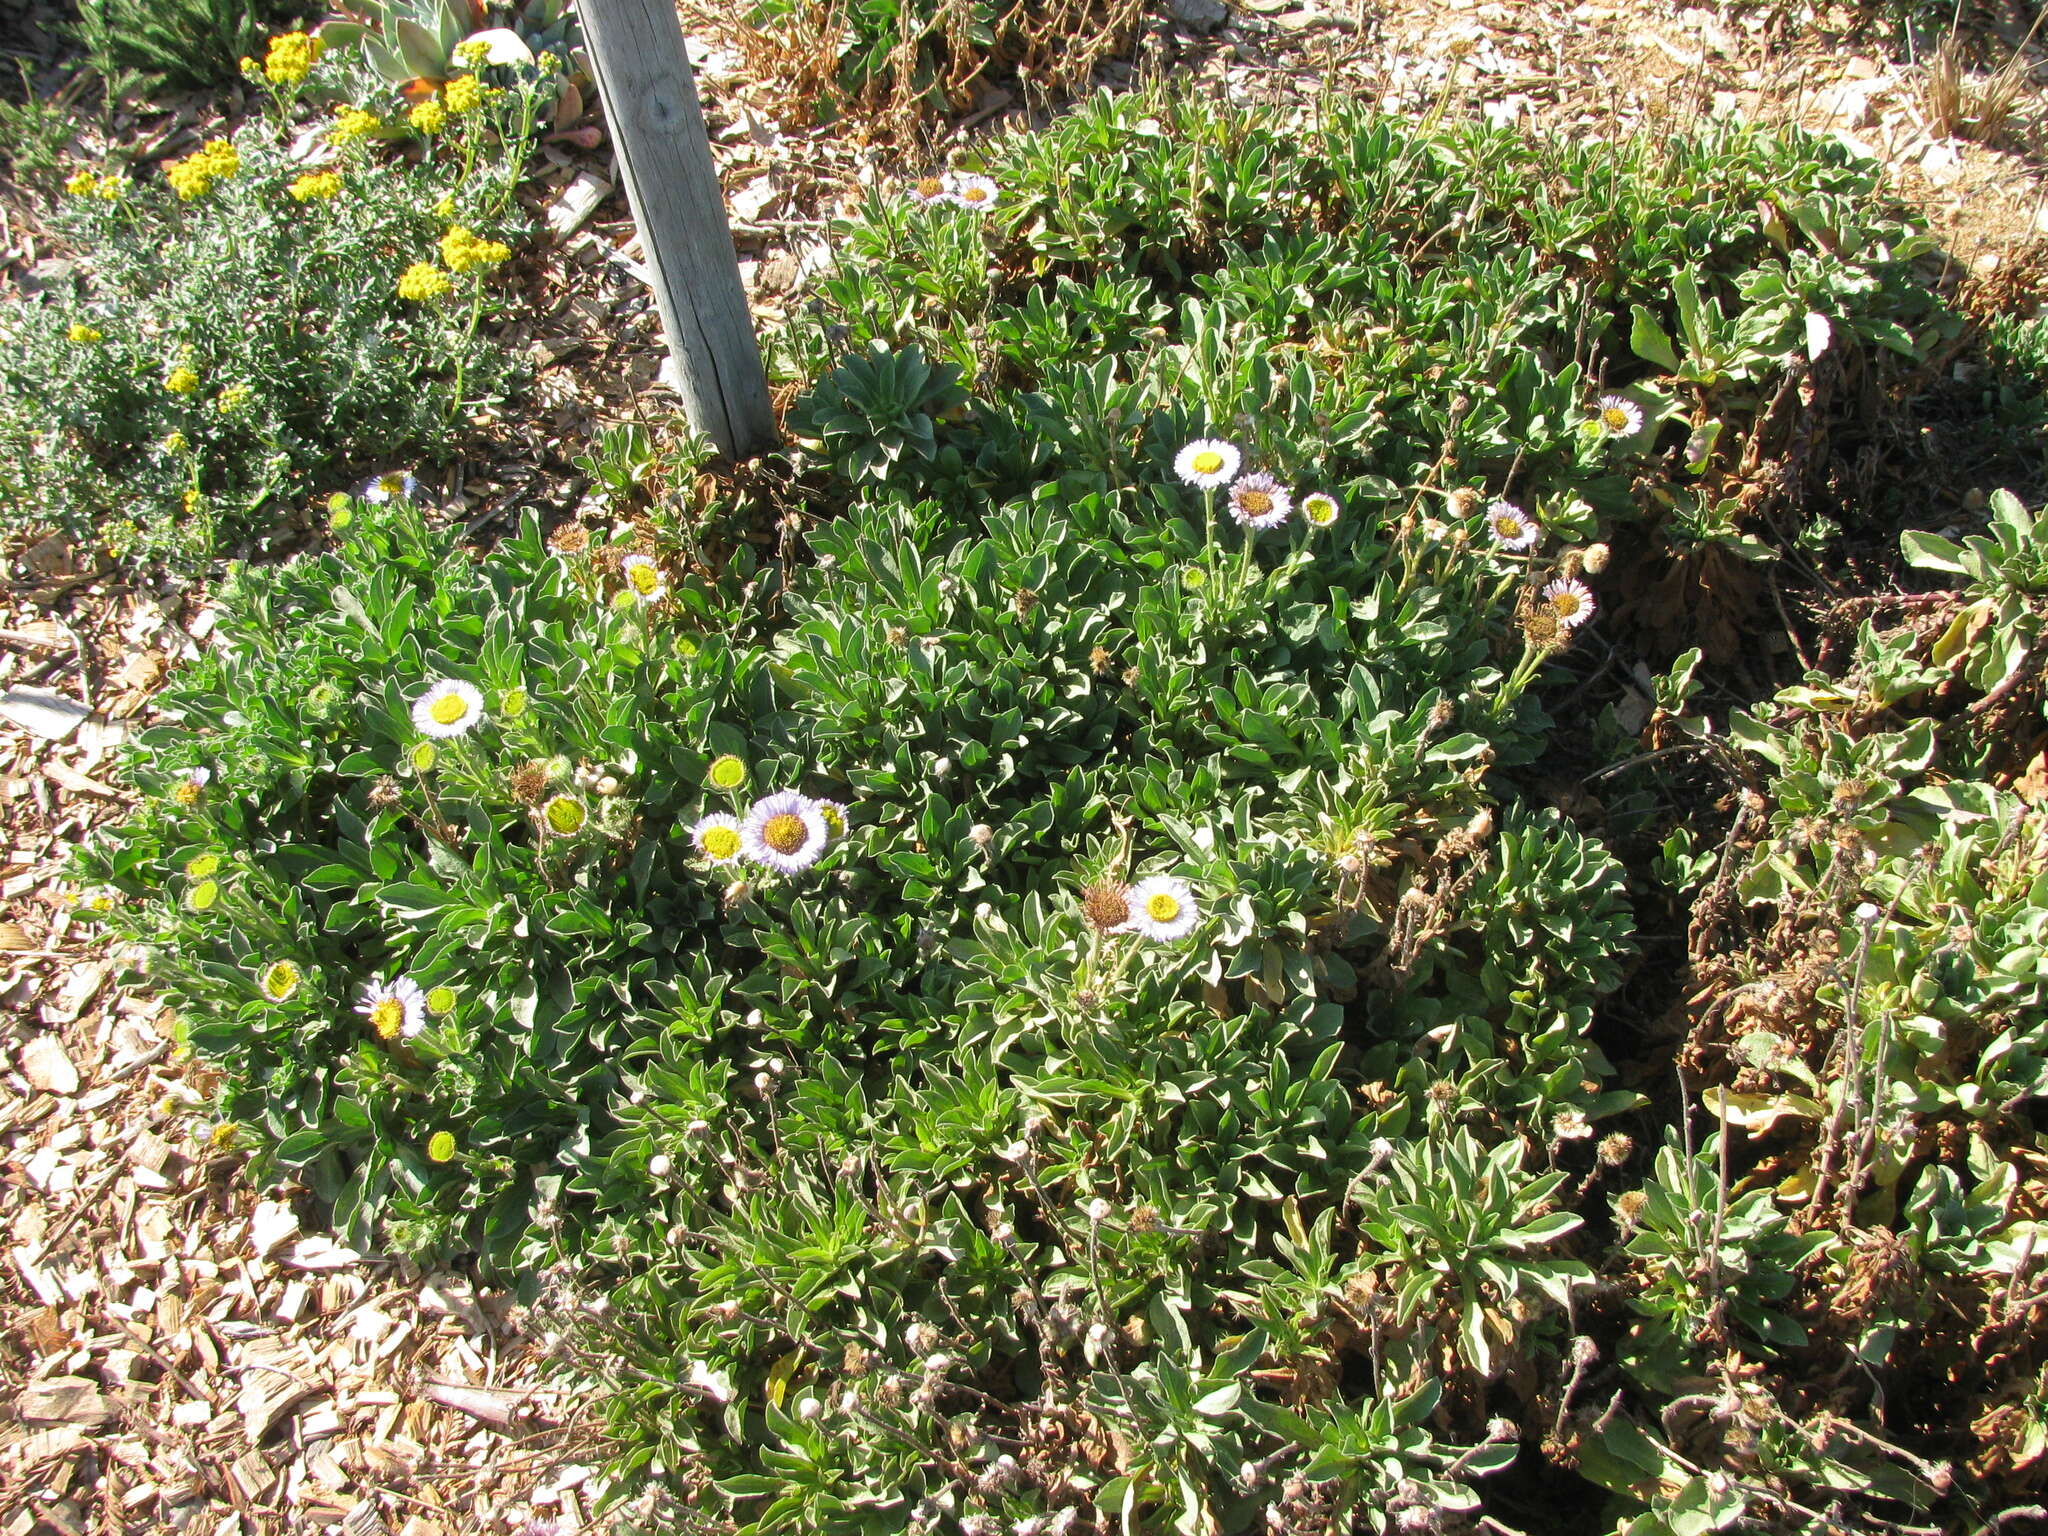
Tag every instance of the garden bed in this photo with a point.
(917, 1181)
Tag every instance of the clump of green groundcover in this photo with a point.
(1050, 1012)
(266, 313)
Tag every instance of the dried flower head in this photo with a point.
(569, 539)
(1106, 905)
(528, 783)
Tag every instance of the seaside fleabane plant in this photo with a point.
(717, 839)
(280, 980)
(643, 578)
(785, 832)
(1160, 908)
(971, 191)
(1511, 528)
(1207, 462)
(448, 707)
(391, 484)
(1569, 601)
(1260, 501)
(395, 1010)
(1618, 416)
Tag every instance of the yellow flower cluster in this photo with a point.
(429, 116)
(108, 189)
(464, 252)
(474, 54)
(351, 124)
(83, 334)
(232, 399)
(291, 57)
(423, 280)
(181, 380)
(195, 175)
(315, 186)
(465, 93)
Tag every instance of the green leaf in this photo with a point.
(1650, 342)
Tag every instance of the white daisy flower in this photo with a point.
(449, 707)
(1320, 509)
(1206, 463)
(717, 839)
(392, 484)
(929, 189)
(1162, 908)
(1619, 416)
(784, 831)
(1569, 601)
(395, 1009)
(1260, 501)
(643, 578)
(974, 191)
(1511, 527)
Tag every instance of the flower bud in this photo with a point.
(1595, 559)
(658, 1166)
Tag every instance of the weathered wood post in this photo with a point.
(664, 157)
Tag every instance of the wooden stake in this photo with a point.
(664, 157)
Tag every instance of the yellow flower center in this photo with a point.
(1255, 503)
(1162, 907)
(1614, 418)
(785, 833)
(1208, 461)
(1507, 527)
(974, 194)
(728, 773)
(391, 485)
(387, 1018)
(449, 708)
(441, 1000)
(930, 186)
(645, 578)
(1566, 605)
(720, 843)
